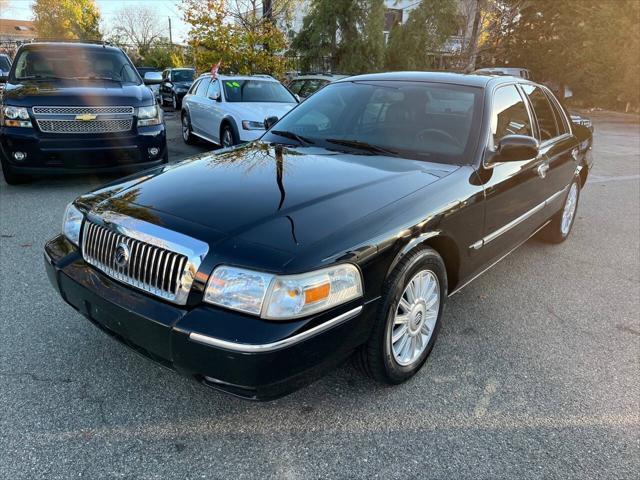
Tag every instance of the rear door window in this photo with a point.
(509, 115)
(544, 113)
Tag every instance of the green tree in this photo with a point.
(424, 33)
(253, 45)
(349, 32)
(67, 19)
(588, 45)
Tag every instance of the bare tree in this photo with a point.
(138, 26)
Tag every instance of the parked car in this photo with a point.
(344, 229)
(228, 110)
(175, 84)
(513, 71)
(77, 107)
(5, 66)
(306, 85)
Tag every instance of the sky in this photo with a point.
(21, 10)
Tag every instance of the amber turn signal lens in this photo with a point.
(315, 294)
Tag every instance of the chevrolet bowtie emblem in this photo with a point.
(86, 117)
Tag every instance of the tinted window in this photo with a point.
(561, 119)
(74, 63)
(182, 75)
(256, 91)
(5, 66)
(544, 113)
(311, 87)
(296, 85)
(420, 120)
(201, 89)
(509, 115)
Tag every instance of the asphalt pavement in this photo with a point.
(536, 372)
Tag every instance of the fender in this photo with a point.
(234, 126)
(410, 245)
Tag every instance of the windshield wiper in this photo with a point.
(294, 136)
(368, 147)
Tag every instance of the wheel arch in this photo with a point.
(444, 245)
(229, 120)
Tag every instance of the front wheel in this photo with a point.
(228, 138)
(561, 223)
(408, 320)
(175, 103)
(10, 176)
(187, 136)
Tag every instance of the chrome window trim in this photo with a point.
(270, 347)
(515, 222)
(145, 232)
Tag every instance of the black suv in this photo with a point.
(175, 84)
(77, 107)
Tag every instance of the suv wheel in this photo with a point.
(408, 320)
(10, 176)
(228, 139)
(187, 136)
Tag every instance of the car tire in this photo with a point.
(175, 103)
(403, 316)
(561, 223)
(227, 136)
(10, 176)
(187, 135)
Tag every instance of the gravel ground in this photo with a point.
(535, 373)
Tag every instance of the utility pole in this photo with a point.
(170, 36)
(267, 15)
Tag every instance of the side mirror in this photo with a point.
(215, 96)
(515, 148)
(270, 122)
(152, 78)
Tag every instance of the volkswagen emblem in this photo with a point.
(121, 255)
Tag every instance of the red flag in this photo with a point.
(215, 68)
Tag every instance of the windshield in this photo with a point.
(74, 63)
(5, 66)
(419, 120)
(182, 75)
(256, 91)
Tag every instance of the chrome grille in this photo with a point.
(53, 110)
(93, 126)
(151, 267)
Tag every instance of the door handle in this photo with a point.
(542, 169)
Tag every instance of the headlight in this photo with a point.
(15, 117)
(148, 116)
(72, 223)
(283, 297)
(251, 125)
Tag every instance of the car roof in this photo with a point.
(265, 78)
(471, 80)
(319, 76)
(78, 45)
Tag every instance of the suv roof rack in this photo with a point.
(104, 43)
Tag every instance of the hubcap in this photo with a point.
(415, 318)
(569, 209)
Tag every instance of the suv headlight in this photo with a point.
(72, 223)
(251, 125)
(151, 115)
(276, 297)
(15, 117)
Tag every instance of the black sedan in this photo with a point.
(343, 230)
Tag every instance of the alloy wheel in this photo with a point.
(227, 139)
(415, 318)
(185, 128)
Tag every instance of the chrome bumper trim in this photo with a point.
(270, 347)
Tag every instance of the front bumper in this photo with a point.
(239, 354)
(63, 154)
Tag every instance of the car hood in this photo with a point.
(279, 197)
(64, 93)
(258, 111)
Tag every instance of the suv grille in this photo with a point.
(93, 126)
(159, 271)
(81, 110)
(108, 119)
